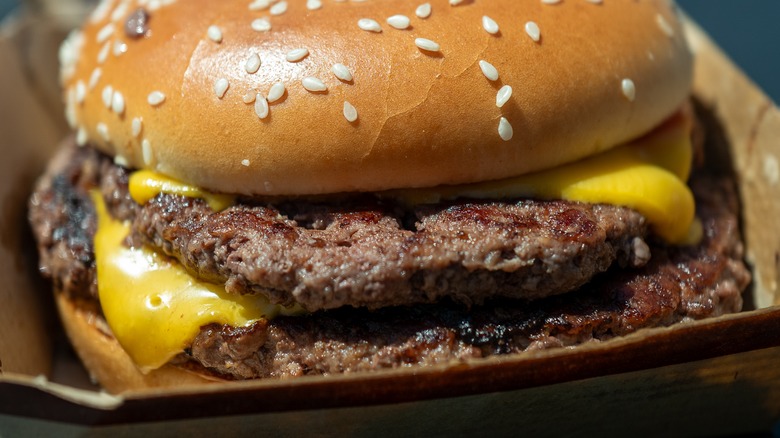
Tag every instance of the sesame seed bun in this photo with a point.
(584, 77)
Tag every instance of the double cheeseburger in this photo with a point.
(283, 188)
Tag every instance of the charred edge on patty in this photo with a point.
(677, 284)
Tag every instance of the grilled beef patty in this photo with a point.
(382, 258)
(362, 252)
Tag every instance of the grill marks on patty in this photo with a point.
(360, 251)
(677, 284)
(357, 253)
(64, 222)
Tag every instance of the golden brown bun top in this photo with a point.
(424, 118)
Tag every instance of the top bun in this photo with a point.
(585, 75)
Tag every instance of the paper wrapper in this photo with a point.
(751, 131)
(719, 376)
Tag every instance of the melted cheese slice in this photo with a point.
(647, 175)
(144, 185)
(153, 306)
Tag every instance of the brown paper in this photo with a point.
(665, 381)
(753, 132)
(30, 126)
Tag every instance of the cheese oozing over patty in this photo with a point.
(648, 175)
(155, 308)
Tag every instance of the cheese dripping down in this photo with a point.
(648, 175)
(153, 306)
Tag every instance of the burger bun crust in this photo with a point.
(599, 75)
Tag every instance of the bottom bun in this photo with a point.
(105, 359)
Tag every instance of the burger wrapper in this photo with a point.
(718, 376)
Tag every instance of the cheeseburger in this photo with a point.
(270, 188)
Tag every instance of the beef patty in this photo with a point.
(360, 252)
(365, 252)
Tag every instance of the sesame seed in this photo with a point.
(399, 22)
(95, 77)
(105, 33)
(427, 45)
(456, 2)
(664, 25)
(350, 113)
(137, 126)
(505, 130)
(102, 129)
(259, 5)
(313, 84)
(369, 25)
(261, 106)
(503, 95)
(157, 4)
(276, 92)
(595, 2)
(103, 53)
(489, 25)
(119, 48)
(81, 91)
(313, 5)
(101, 12)
(261, 25)
(279, 8)
(119, 12)
(82, 137)
(245, 163)
(423, 11)
(252, 64)
(70, 108)
(629, 89)
(118, 103)
(249, 97)
(121, 161)
(221, 86)
(69, 53)
(551, 2)
(215, 34)
(342, 72)
(155, 98)
(296, 55)
(532, 29)
(146, 151)
(108, 96)
(488, 70)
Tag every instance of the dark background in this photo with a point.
(748, 30)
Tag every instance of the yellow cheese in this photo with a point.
(145, 185)
(153, 306)
(647, 175)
